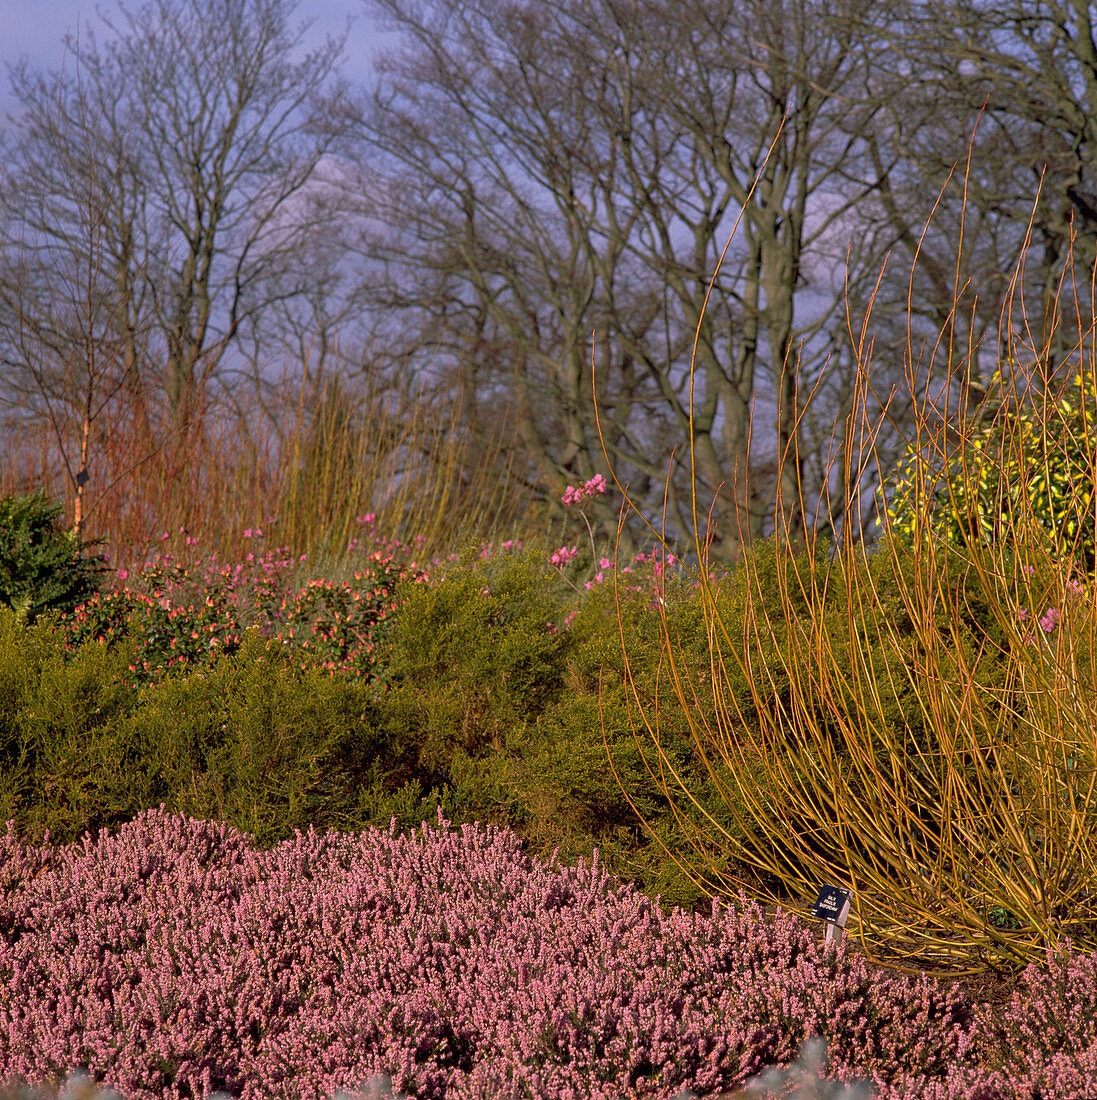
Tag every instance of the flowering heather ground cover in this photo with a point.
(173, 959)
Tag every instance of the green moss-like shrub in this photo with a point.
(52, 707)
(247, 740)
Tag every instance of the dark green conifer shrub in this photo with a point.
(42, 566)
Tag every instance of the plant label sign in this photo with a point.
(832, 906)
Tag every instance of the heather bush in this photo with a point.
(1040, 1045)
(173, 959)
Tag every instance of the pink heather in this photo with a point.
(173, 959)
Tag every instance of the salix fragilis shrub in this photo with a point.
(970, 846)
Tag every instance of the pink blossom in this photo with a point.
(573, 494)
(562, 556)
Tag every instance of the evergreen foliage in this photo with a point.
(1057, 475)
(42, 566)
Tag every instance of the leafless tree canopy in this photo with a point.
(167, 173)
(1015, 84)
(551, 186)
(528, 208)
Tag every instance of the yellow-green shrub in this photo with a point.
(1053, 469)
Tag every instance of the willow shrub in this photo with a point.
(684, 810)
(968, 836)
(511, 718)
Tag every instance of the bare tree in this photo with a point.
(205, 128)
(541, 175)
(989, 107)
(69, 355)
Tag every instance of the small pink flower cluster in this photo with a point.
(1051, 616)
(573, 494)
(576, 494)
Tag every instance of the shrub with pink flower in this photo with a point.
(172, 959)
(187, 616)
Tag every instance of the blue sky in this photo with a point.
(35, 28)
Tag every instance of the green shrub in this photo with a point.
(473, 658)
(253, 740)
(493, 710)
(1056, 474)
(54, 705)
(42, 567)
(575, 797)
(488, 708)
